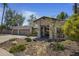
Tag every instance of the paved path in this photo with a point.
(4, 38)
(4, 53)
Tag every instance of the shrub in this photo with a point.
(21, 47)
(13, 50)
(17, 48)
(2, 26)
(34, 40)
(67, 42)
(58, 47)
(28, 39)
(71, 27)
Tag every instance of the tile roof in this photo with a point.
(20, 27)
(44, 17)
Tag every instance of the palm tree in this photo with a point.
(75, 8)
(4, 8)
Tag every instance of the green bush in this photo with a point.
(17, 48)
(2, 26)
(28, 39)
(13, 50)
(34, 40)
(71, 27)
(58, 47)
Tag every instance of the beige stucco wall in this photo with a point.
(21, 31)
(44, 22)
(50, 22)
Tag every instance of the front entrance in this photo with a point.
(45, 31)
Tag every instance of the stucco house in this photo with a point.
(46, 27)
(20, 30)
(49, 28)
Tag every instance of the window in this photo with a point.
(60, 33)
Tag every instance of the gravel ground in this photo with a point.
(42, 48)
(4, 41)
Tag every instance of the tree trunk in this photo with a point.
(75, 8)
(2, 18)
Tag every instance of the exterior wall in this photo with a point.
(38, 31)
(21, 31)
(53, 25)
(44, 22)
(6, 31)
(50, 32)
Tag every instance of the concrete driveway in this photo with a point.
(4, 38)
(4, 53)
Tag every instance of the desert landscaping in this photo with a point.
(55, 32)
(32, 47)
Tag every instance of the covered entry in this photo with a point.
(44, 27)
(48, 27)
(44, 31)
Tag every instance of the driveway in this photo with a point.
(4, 38)
(4, 53)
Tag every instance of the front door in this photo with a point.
(47, 31)
(44, 31)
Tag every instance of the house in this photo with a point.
(20, 30)
(45, 27)
(49, 27)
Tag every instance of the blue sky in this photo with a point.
(40, 9)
